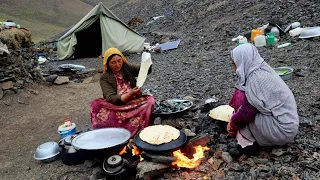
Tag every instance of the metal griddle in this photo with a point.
(162, 147)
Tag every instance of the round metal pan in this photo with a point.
(101, 138)
(162, 147)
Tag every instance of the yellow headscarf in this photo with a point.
(110, 52)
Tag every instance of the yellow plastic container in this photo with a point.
(254, 33)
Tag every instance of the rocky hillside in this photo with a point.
(47, 18)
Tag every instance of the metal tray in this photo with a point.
(175, 100)
(101, 138)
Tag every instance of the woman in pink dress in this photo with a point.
(122, 105)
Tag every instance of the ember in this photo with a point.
(184, 161)
(123, 150)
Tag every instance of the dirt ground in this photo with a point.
(29, 120)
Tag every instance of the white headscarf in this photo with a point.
(247, 59)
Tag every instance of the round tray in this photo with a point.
(175, 100)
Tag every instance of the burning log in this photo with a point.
(158, 158)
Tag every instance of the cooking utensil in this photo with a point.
(162, 147)
(47, 152)
(310, 32)
(101, 138)
(172, 104)
(284, 72)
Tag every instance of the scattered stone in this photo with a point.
(249, 162)
(157, 121)
(87, 80)
(235, 167)
(20, 84)
(188, 132)
(61, 80)
(147, 170)
(226, 157)
(35, 92)
(190, 98)
(1, 93)
(21, 101)
(278, 152)
(286, 171)
(51, 78)
(260, 160)
(89, 164)
(98, 173)
(7, 85)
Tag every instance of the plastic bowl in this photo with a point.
(47, 152)
(285, 76)
(310, 32)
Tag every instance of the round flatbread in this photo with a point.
(159, 134)
(222, 113)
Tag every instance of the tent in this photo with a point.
(99, 30)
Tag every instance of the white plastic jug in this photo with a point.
(260, 41)
(295, 32)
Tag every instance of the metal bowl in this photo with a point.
(47, 152)
(310, 32)
(285, 76)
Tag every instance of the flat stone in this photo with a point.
(226, 157)
(61, 80)
(249, 162)
(87, 80)
(51, 78)
(157, 120)
(7, 85)
(147, 170)
(260, 160)
(98, 173)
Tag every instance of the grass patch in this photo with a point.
(15, 38)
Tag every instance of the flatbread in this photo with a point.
(159, 134)
(222, 113)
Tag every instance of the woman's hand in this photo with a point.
(131, 94)
(231, 131)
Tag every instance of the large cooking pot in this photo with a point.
(100, 143)
(172, 145)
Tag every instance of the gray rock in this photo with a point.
(35, 92)
(61, 80)
(7, 85)
(260, 160)
(235, 167)
(226, 157)
(278, 152)
(98, 173)
(286, 171)
(147, 170)
(89, 164)
(1, 93)
(157, 120)
(51, 78)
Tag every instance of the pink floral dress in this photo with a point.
(133, 116)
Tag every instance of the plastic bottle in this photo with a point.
(295, 32)
(254, 33)
(260, 41)
(270, 38)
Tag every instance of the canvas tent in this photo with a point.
(99, 30)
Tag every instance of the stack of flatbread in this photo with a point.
(159, 134)
(222, 113)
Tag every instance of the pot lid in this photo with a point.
(114, 161)
(101, 138)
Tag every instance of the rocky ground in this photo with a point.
(201, 68)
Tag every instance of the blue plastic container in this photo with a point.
(67, 131)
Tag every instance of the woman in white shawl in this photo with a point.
(265, 108)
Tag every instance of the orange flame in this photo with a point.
(136, 152)
(183, 161)
(123, 150)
